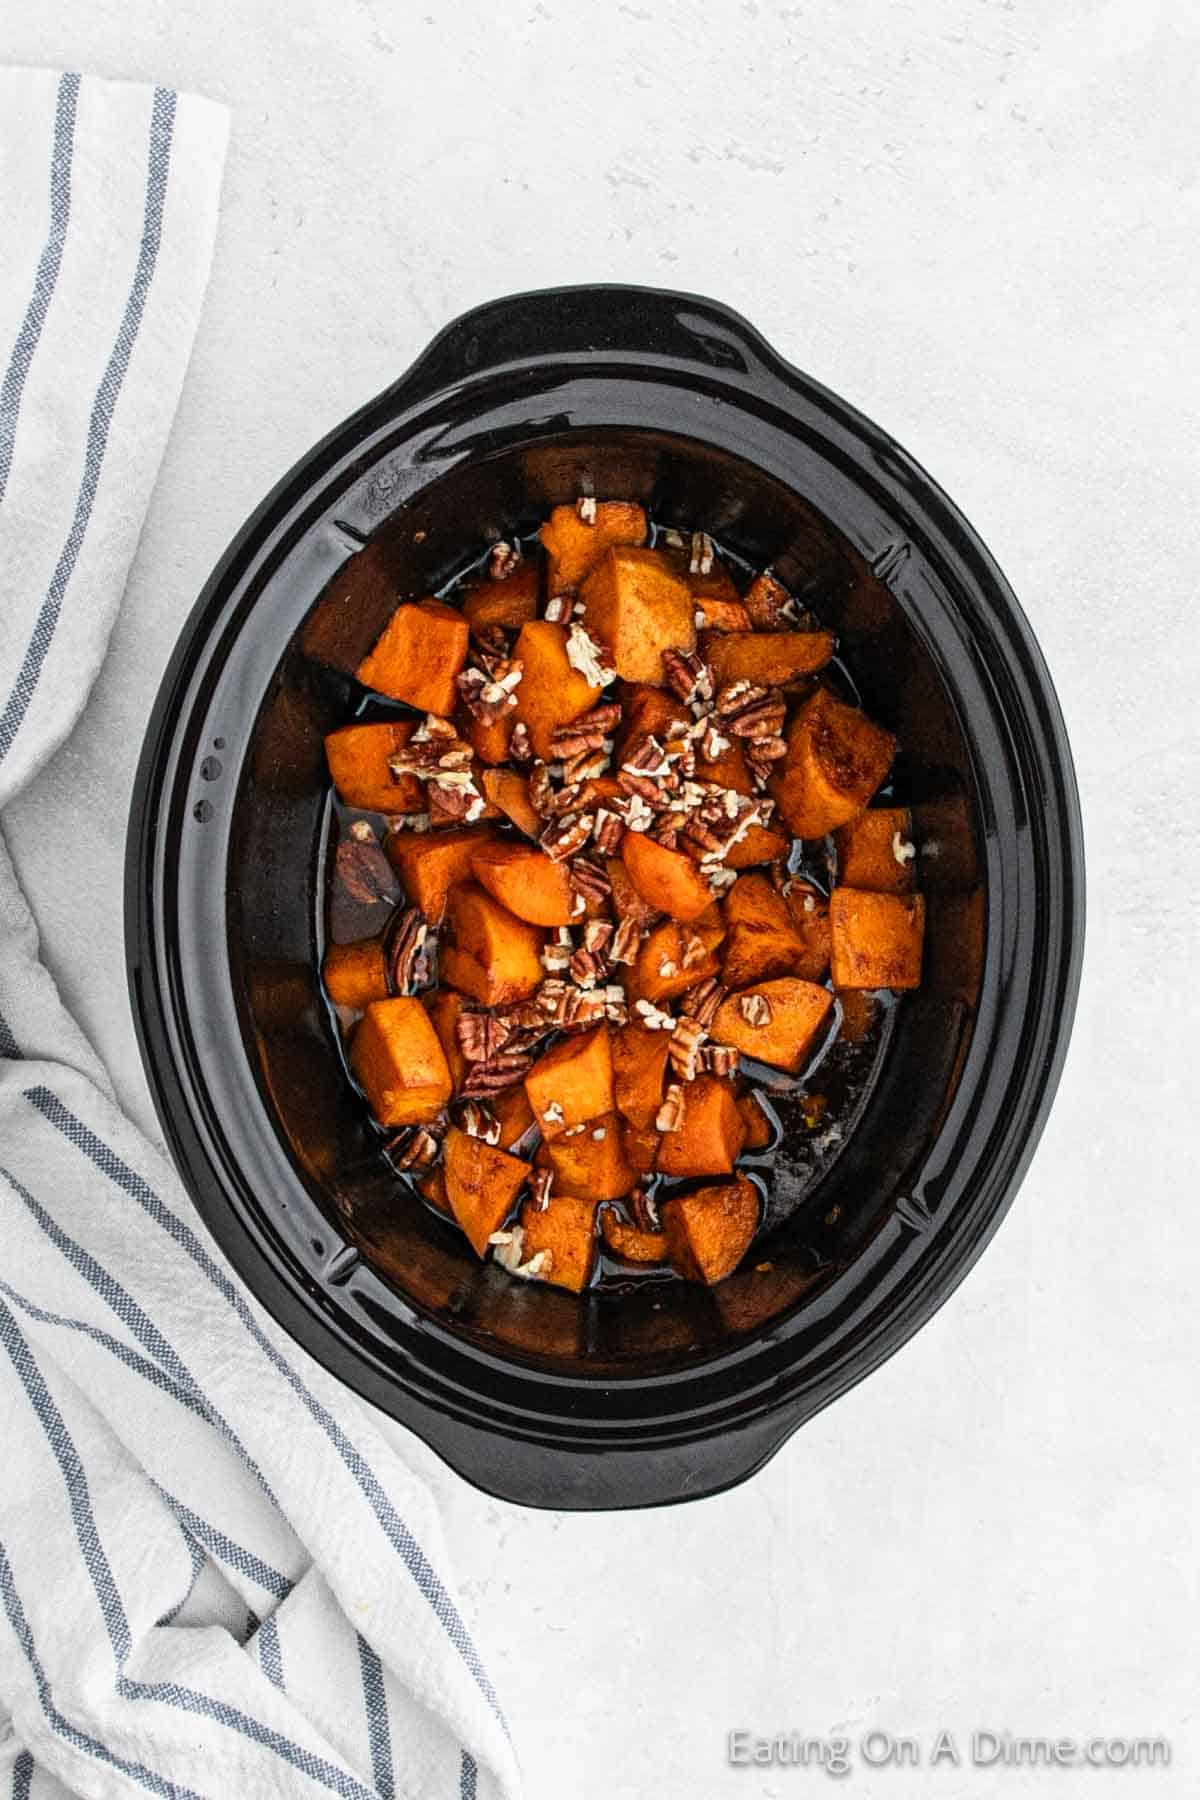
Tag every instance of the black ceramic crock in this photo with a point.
(530, 1393)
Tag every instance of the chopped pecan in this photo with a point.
(503, 1071)
(755, 1009)
(687, 675)
(762, 752)
(490, 694)
(649, 759)
(643, 1210)
(540, 1183)
(719, 1059)
(626, 941)
(591, 879)
(363, 832)
(702, 1001)
(596, 934)
(557, 608)
(714, 744)
(653, 1017)
(684, 1052)
(588, 967)
(585, 506)
(607, 832)
(616, 1010)
(633, 810)
(481, 1036)
(479, 1122)
(556, 958)
(670, 1113)
(592, 660)
(520, 745)
(587, 733)
(566, 834)
(416, 1147)
(586, 766)
(703, 550)
(503, 559)
(693, 951)
(403, 943)
(364, 873)
(749, 711)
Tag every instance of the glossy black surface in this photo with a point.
(525, 402)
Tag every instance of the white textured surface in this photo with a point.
(978, 221)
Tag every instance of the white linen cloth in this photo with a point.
(216, 1579)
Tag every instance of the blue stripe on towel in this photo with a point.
(270, 1655)
(379, 1733)
(22, 1776)
(468, 1777)
(171, 1693)
(46, 277)
(401, 1538)
(225, 1549)
(162, 124)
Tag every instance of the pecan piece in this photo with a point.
(703, 550)
(670, 1113)
(719, 1059)
(755, 1009)
(540, 1183)
(363, 872)
(702, 1001)
(567, 834)
(587, 733)
(586, 766)
(626, 941)
(607, 832)
(687, 675)
(643, 1210)
(503, 559)
(684, 1052)
(591, 659)
(481, 1036)
(403, 944)
(591, 879)
(479, 1122)
(416, 1147)
(587, 968)
(520, 745)
(503, 1071)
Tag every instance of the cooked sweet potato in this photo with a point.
(760, 844)
(509, 792)
(769, 658)
(641, 1148)
(639, 1060)
(627, 902)
(876, 851)
(514, 1113)
(566, 1230)
(419, 657)
(715, 613)
(445, 1009)
(858, 1014)
(442, 818)
(572, 1082)
(552, 693)
(761, 938)
(836, 759)
(629, 1241)
(708, 1232)
(528, 882)
(876, 939)
(638, 609)
(398, 1061)
(730, 769)
(646, 711)
(356, 974)
(507, 603)
(810, 915)
(781, 1031)
(433, 1188)
(758, 1127)
(674, 957)
(667, 880)
(358, 757)
(482, 1184)
(717, 585)
(431, 865)
(574, 544)
(590, 1160)
(487, 952)
(710, 1139)
(489, 738)
(768, 603)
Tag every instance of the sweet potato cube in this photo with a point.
(639, 1059)
(482, 1184)
(419, 657)
(356, 974)
(566, 1231)
(399, 1063)
(758, 1127)
(508, 603)
(445, 1009)
(528, 882)
(572, 1082)
(876, 851)
(876, 939)
(761, 938)
(768, 603)
(641, 1148)
(730, 769)
(627, 902)
(574, 545)
(717, 614)
(759, 844)
(781, 1032)
(430, 866)
(710, 1139)
(810, 915)
(490, 739)
(666, 879)
(708, 1232)
(432, 1187)
(674, 957)
(630, 1242)
(590, 1161)
(487, 952)
(512, 1111)
(646, 711)
(509, 793)
(358, 758)
(552, 692)
(836, 759)
(771, 658)
(638, 609)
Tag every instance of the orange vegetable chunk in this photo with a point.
(639, 1060)
(509, 792)
(566, 1229)
(630, 1241)
(572, 1082)
(508, 603)
(398, 1061)
(667, 880)
(758, 1126)
(552, 692)
(445, 1009)
(836, 759)
(482, 1184)
(489, 738)
(784, 1033)
(674, 957)
(712, 1134)
(877, 939)
(431, 865)
(761, 936)
(641, 1148)
(810, 915)
(769, 658)
(708, 1232)
(866, 851)
(487, 952)
(590, 1161)
(356, 974)
(419, 656)
(527, 881)
(768, 602)
(646, 711)
(574, 545)
(638, 609)
(513, 1112)
(358, 758)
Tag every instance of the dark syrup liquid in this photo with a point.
(811, 1115)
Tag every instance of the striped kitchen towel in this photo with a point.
(216, 1579)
